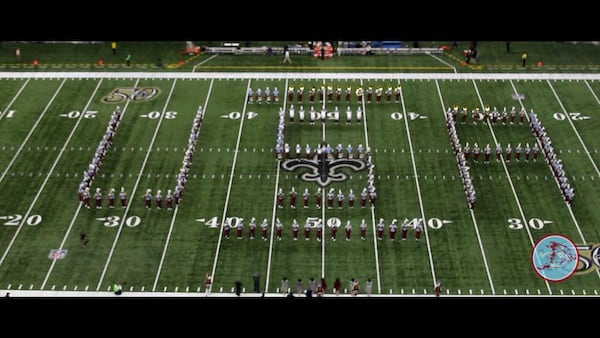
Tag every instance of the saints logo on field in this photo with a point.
(323, 171)
(134, 94)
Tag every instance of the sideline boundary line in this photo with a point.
(301, 76)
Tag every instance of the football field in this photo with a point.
(199, 135)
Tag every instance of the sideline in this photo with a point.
(174, 294)
(301, 76)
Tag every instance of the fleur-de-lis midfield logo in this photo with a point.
(323, 171)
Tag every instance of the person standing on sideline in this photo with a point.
(208, 282)
(286, 55)
(337, 286)
(128, 59)
(117, 289)
(284, 285)
(113, 46)
(369, 287)
(355, 287)
(256, 280)
(300, 287)
(323, 284)
(312, 284)
(18, 54)
(238, 287)
(524, 59)
(508, 46)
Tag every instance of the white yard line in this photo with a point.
(373, 220)
(479, 240)
(555, 179)
(416, 173)
(203, 62)
(164, 254)
(71, 224)
(26, 216)
(323, 220)
(31, 130)
(137, 181)
(512, 187)
(273, 217)
(592, 91)
(574, 129)
(274, 213)
(364, 109)
(235, 154)
(443, 62)
(6, 110)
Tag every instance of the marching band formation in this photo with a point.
(90, 174)
(492, 117)
(326, 152)
(315, 227)
(171, 198)
(327, 93)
